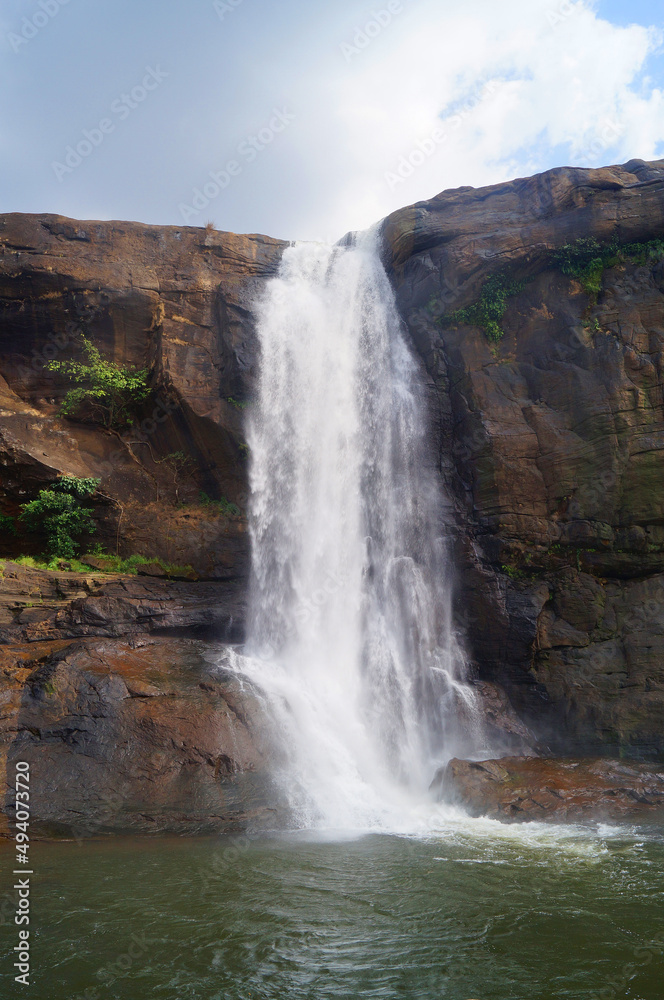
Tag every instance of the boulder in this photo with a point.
(517, 789)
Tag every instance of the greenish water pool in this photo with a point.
(475, 910)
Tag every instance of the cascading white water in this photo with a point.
(349, 629)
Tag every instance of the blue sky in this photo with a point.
(305, 120)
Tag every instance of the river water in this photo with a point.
(473, 910)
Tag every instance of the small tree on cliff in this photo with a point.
(59, 514)
(110, 392)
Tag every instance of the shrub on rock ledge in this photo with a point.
(58, 513)
(109, 392)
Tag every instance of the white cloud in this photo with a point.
(563, 86)
(516, 86)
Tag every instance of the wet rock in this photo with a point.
(516, 789)
(129, 730)
(135, 736)
(505, 731)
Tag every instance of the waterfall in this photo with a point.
(349, 633)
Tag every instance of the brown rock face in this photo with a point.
(552, 444)
(177, 301)
(129, 723)
(40, 605)
(145, 735)
(464, 234)
(516, 789)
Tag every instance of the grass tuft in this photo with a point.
(110, 564)
(223, 505)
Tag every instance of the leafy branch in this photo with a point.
(111, 392)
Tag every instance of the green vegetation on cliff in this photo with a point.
(110, 392)
(107, 563)
(102, 562)
(223, 505)
(488, 311)
(587, 259)
(584, 260)
(58, 512)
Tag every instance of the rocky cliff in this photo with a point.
(177, 301)
(128, 730)
(550, 441)
(143, 735)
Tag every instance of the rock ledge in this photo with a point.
(516, 789)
